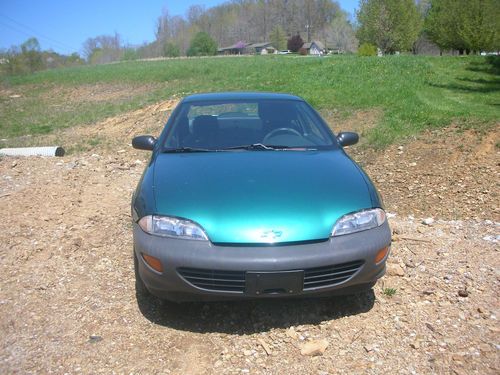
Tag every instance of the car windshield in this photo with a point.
(249, 124)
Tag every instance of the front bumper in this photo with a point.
(200, 270)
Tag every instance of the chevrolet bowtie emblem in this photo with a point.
(271, 234)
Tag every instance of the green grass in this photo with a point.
(389, 292)
(412, 92)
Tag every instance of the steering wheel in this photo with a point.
(280, 130)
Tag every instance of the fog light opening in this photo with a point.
(381, 255)
(153, 262)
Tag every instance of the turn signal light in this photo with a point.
(381, 254)
(153, 262)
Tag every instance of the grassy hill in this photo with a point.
(411, 92)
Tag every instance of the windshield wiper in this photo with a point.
(256, 147)
(187, 149)
(249, 147)
(262, 147)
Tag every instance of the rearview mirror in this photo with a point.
(347, 138)
(144, 142)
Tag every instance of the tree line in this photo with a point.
(466, 26)
(28, 58)
(202, 30)
(462, 25)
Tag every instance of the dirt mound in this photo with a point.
(108, 136)
(99, 92)
(69, 305)
(360, 121)
(150, 119)
(449, 174)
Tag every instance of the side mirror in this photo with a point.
(144, 142)
(347, 138)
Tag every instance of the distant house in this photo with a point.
(235, 49)
(314, 48)
(261, 48)
(243, 48)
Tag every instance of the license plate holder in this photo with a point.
(282, 282)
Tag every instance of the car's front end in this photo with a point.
(255, 222)
(181, 269)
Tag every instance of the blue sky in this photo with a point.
(63, 26)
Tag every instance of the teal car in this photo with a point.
(251, 195)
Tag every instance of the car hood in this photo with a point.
(260, 196)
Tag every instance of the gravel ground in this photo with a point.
(68, 301)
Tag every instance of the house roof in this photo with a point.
(259, 45)
(238, 45)
(241, 45)
(317, 43)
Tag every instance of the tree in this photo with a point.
(341, 34)
(195, 13)
(14, 61)
(89, 46)
(317, 14)
(391, 25)
(480, 29)
(278, 38)
(29, 45)
(31, 56)
(171, 50)
(441, 24)
(74, 59)
(130, 54)
(367, 49)
(295, 43)
(464, 24)
(163, 26)
(202, 45)
(103, 49)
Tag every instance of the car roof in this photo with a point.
(240, 96)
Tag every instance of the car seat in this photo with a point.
(205, 132)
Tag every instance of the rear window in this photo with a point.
(225, 110)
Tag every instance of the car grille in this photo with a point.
(221, 281)
(330, 275)
(234, 281)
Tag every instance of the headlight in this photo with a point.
(171, 227)
(359, 221)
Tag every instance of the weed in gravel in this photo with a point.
(389, 292)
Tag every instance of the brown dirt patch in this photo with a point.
(8, 94)
(117, 132)
(449, 174)
(100, 92)
(360, 121)
(68, 302)
(110, 135)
